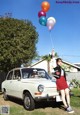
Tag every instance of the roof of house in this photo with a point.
(77, 64)
(36, 63)
(68, 63)
(73, 65)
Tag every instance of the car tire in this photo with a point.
(29, 103)
(5, 96)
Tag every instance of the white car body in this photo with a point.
(37, 88)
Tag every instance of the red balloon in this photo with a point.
(45, 6)
(41, 13)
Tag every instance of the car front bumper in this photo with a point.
(57, 98)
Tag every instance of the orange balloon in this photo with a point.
(45, 6)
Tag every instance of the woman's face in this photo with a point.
(59, 62)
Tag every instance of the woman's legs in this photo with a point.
(66, 100)
(67, 96)
(63, 98)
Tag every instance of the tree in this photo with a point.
(18, 40)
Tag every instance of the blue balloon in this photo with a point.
(43, 20)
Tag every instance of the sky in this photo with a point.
(64, 38)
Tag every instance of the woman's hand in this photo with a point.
(57, 73)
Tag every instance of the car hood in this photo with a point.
(45, 82)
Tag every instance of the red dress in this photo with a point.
(61, 83)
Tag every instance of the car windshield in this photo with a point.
(34, 73)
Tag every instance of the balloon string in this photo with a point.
(51, 40)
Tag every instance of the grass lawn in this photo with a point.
(75, 99)
(47, 109)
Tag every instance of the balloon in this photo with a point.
(45, 6)
(41, 13)
(51, 22)
(43, 20)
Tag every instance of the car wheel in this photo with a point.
(29, 103)
(5, 95)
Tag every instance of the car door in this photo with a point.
(8, 82)
(16, 83)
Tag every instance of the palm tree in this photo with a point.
(48, 58)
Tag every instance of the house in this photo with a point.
(78, 64)
(40, 64)
(49, 65)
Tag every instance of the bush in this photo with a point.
(75, 83)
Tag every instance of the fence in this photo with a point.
(73, 75)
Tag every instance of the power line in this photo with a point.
(70, 56)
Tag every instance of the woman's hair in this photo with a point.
(58, 60)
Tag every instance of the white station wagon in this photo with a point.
(30, 85)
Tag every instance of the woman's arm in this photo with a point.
(56, 72)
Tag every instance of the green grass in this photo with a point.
(22, 111)
(75, 99)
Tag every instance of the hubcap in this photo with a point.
(27, 102)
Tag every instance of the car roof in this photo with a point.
(26, 68)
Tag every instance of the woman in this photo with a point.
(62, 85)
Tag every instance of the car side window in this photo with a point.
(17, 74)
(25, 73)
(10, 75)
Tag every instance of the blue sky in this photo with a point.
(65, 36)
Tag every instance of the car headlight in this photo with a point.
(40, 88)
